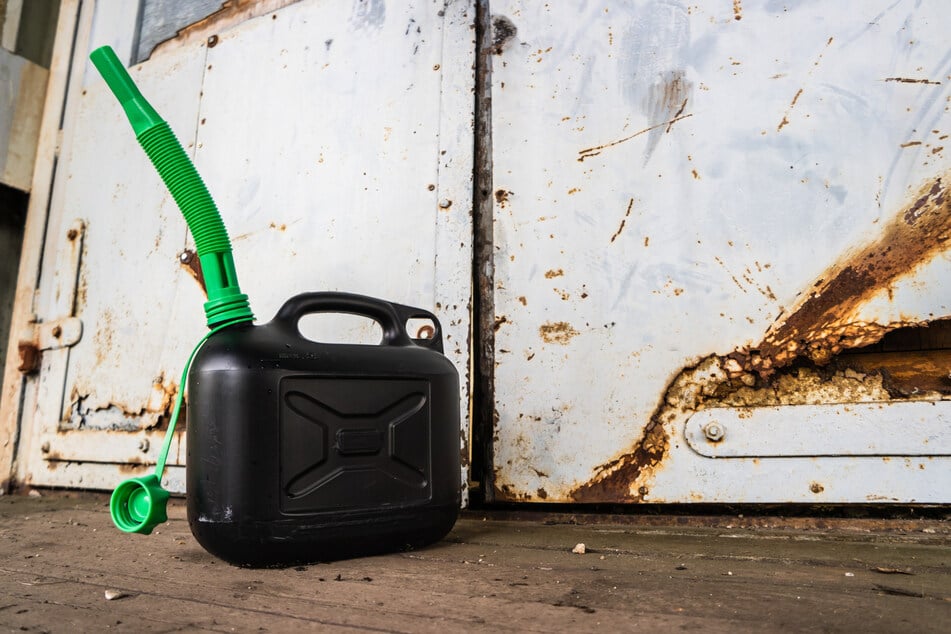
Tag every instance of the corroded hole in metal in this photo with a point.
(798, 361)
(78, 411)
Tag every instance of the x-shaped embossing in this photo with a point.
(353, 442)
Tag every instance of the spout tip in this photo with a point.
(140, 113)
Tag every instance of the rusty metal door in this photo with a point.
(333, 171)
(700, 211)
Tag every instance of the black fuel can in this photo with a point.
(301, 451)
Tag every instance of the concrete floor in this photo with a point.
(61, 560)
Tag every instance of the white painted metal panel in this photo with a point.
(677, 182)
(333, 140)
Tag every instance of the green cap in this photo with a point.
(138, 504)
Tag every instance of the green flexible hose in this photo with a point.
(225, 300)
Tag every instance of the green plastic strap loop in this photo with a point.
(138, 505)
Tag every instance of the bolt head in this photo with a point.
(714, 431)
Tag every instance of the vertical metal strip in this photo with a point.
(483, 266)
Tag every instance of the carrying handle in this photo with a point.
(391, 317)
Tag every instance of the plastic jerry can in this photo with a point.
(302, 451)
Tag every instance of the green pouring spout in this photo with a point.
(225, 300)
(138, 505)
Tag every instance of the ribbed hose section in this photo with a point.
(187, 189)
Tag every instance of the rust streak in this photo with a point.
(594, 151)
(795, 99)
(908, 80)
(792, 105)
(677, 114)
(822, 325)
(630, 205)
(910, 143)
(191, 263)
(231, 13)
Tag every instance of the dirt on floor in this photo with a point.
(67, 569)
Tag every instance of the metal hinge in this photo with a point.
(51, 335)
(65, 331)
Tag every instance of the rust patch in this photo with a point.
(617, 480)
(29, 357)
(822, 324)
(818, 329)
(190, 262)
(523, 300)
(737, 10)
(630, 205)
(542, 494)
(502, 197)
(714, 382)
(560, 332)
(553, 273)
(499, 322)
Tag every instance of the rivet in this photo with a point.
(57, 331)
(46, 447)
(445, 203)
(144, 445)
